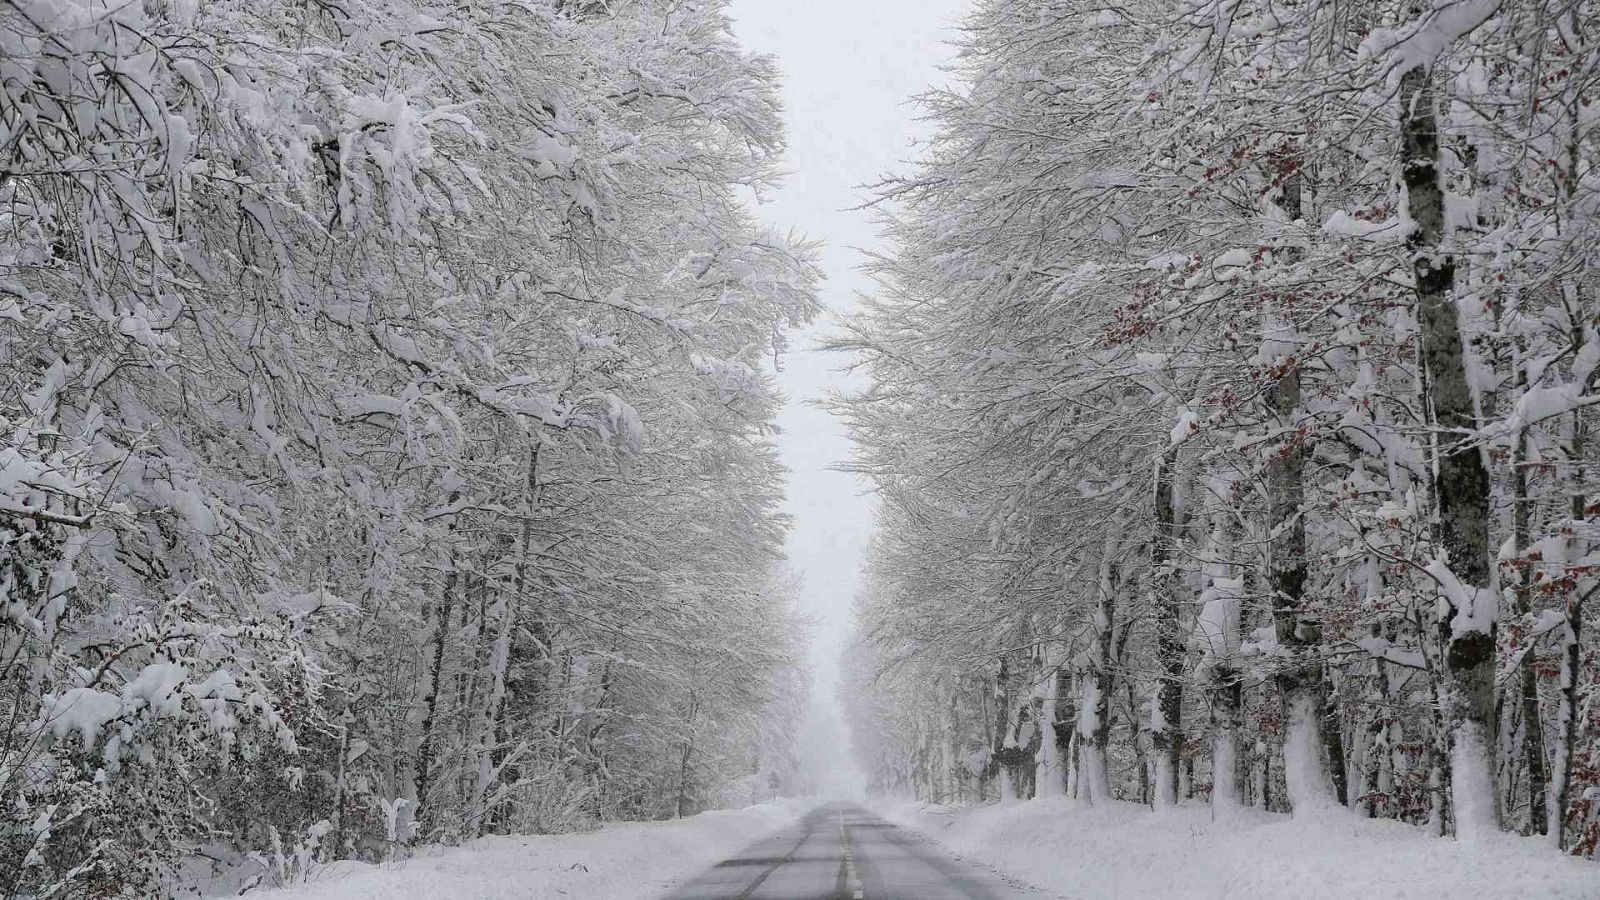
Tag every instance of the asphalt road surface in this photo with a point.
(843, 852)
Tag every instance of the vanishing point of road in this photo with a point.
(843, 852)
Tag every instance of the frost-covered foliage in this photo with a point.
(385, 452)
(1233, 374)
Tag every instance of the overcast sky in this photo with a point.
(849, 68)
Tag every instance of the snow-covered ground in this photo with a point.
(1125, 851)
(1072, 851)
(632, 861)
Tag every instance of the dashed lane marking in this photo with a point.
(851, 882)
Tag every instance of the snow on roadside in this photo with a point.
(632, 861)
(1124, 850)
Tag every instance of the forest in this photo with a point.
(387, 453)
(1230, 401)
(390, 459)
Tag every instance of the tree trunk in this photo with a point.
(1333, 742)
(492, 755)
(1051, 780)
(1566, 724)
(1527, 678)
(1261, 775)
(1300, 678)
(685, 758)
(1571, 659)
(441, 638)
(1140, 761)
(1094, 723)
(1466, 625)
(1228, 708)
(1572, 628)
(1219, 633)
(955, 766)
(1166, 713)
(1385, 735)
(333, 848)
(1000, 760)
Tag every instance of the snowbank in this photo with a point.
(1126, 851)
(631, 861)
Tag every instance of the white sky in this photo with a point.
(849, 69)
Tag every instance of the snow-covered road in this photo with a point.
(844, 852)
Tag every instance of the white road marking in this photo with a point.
(851, 882)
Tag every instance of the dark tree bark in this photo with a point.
(1300, 679)
(1166, 727)
(1333, 745)
(426, 748)
(1227, 708)
(1527, 678)
(1571, 660)
(1571, 652)
(1063, 728)
(681, 802)
(1461, 485)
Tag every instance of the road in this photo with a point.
(844, 852)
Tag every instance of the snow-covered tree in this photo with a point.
(388, 448)
(1235, 362)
